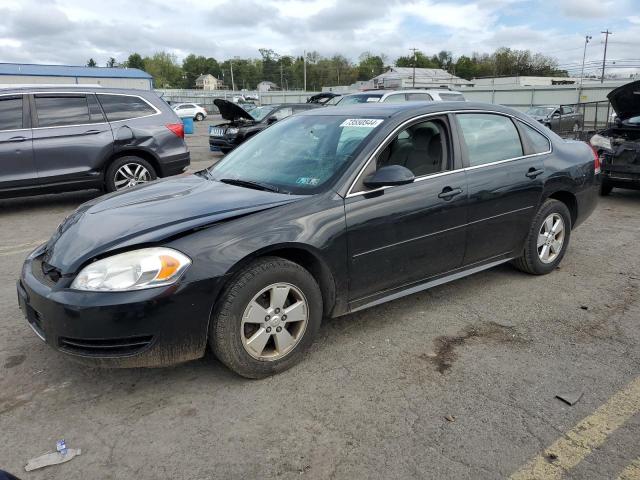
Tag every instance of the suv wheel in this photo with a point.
(126, 172)
(199, 117)
(548, 239)
(267, 317)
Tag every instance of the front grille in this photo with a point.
(45, 273)
(216, 132)
(105, 347)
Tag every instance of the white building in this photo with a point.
(266, 86)
(402, 77)
(525, 81)
(208, 82)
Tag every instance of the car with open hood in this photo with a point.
(242, 124)
(619, 145)
(327, 212)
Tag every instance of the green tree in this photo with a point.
(135, 61)
(370, 66)
(193, 66)
(92, 63)
(164, 69)
(421, 61)
(111, 62)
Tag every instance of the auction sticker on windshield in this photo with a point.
(361, 122)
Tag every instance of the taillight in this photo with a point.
(177, 128)
(596, 160)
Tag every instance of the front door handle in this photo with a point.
(17, 139)
(91, 132)
(448, 193)
(533, 173)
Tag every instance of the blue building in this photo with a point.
(26, 73)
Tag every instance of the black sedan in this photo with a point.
(241, 124)
(325, 213)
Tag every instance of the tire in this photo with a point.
(232, 325)
(114, 175)
(531, 260)
(199, 117)
(605, 188)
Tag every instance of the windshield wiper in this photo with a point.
(250, 184)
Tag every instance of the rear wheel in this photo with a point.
(199, 117)
(548, 239)
(267, 317)
(127, 172)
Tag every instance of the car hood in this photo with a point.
(231, 111)
(625, 100)
(150, 214)
(539, 117)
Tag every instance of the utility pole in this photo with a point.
(414, 50)
(604, 59)
(584, 54)
(281, 76)
(233, 85)
(304, 67)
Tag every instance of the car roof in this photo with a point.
(409, 108)
(406, 90)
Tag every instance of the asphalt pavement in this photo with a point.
(458, 382)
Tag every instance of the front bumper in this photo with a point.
(618, 173)
(222, 143)
(144, 328)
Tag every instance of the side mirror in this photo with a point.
(389, 176)
(271, 120)
(555, 115)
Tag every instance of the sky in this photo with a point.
(72, 31)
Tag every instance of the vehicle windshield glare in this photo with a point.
(299, 155)
(541, 111)
(259, 113)
(364, 98)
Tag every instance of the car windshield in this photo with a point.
(633, 120)
(300, 155)
(259, 113)
(540, 111)
(364, 98)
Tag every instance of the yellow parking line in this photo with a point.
(632, 472)
(590, 433)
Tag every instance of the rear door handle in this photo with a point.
(448, 193)
(533, 173)
(91, 132)
(17, 139)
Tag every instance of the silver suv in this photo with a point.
(55, 139)
(399, 96)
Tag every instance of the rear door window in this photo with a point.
(62, 110)
(10, 113)
(95, 112)
(538, 142)
(489, 137)
(124, 107)
(412, 97)
(395, 98)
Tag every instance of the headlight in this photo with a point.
(232, 131)
(135, 270)
(600, 141)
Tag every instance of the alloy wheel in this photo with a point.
(274, 321)
(130, 175)
(551, 238)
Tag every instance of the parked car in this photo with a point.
(559, 118)
(399, 96)
(243, 124)
(619, 146)
(69, 138)
(327, 212)
(325, 98)
(192, 110)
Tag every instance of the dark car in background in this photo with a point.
(619, 145)
(242, 124)
(56, 139)
(559, 118)
(327, 212)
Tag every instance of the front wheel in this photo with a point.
(548, 239)
(267, 317)
(605, 189)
